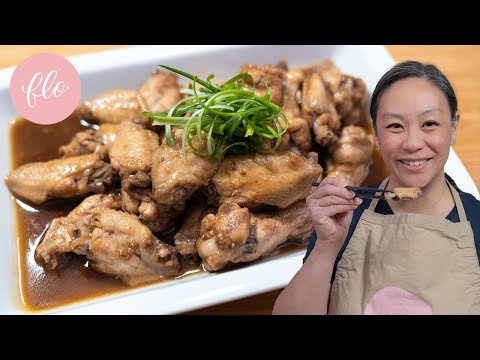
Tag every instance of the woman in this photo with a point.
(396, 257)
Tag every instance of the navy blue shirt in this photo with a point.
(470, 203)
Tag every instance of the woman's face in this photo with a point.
(414, 131)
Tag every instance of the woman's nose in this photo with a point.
(413, 140)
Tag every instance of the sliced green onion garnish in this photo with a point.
(230, 117)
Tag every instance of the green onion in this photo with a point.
(231, 117)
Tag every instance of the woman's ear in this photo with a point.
(376, 143)
(454, 128)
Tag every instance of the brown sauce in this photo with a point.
(73, 281)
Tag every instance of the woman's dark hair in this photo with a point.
(408, 69)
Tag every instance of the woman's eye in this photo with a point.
(394, 126)
(430, 123)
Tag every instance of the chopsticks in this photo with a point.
(365, 192)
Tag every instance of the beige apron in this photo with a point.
(408, 264)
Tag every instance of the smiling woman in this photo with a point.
(416, 121)
(409, 260)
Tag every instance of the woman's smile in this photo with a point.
(416, 165)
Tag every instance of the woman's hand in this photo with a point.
(331, 207)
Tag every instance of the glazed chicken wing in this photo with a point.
(61, 178)
(324, 65)
(84, 142)
(69, 233)
(161, 91)
(349, 95)
(278, 179)
(114, 107)
(139, 201)
(115, 243)
(235, 235)
(319, 110)
(106, 134)
(133, 149)
(298, 130)
(175, 178)
(122, 246)
(131, 154)
(273, 76)
(405, 193)
(91, 141)
(351, 155)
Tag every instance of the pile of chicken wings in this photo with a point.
(136, 187)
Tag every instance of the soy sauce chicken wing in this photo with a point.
(114, 107)
(70, 234)
(293, 86)
(235, 235)
(298, 130)
(300, 134)
(161, 91)
(175, 178)
(91, 141)
(405, 193)
(351, 155)
(122, 246)
(273, 76)
(349, 95)
(324, 65)
(115, 243)
(133, 149)
(83, 143)
(139, 201)
(60, 178)
(319, 110)
(131, 154)
(277, 179)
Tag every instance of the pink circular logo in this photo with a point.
(45, 88)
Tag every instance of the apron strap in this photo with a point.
(458, 202)
(456, 197)
(374, 202)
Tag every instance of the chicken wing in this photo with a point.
(161, 91)
(324, 65)
(115, 243)
(133, 149)
(91, 141)
(277, 179)
(83, 143)
(351, 155)
(139, 201)
(175, 178)
(273, 76)
(405, 193)
(122, 246)
(298, 131)
(235, 235)
(131, 154)
(70, 233)
(61, 178)
(114, 107)
(349, 95)
(319, 110)
(293, 85)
